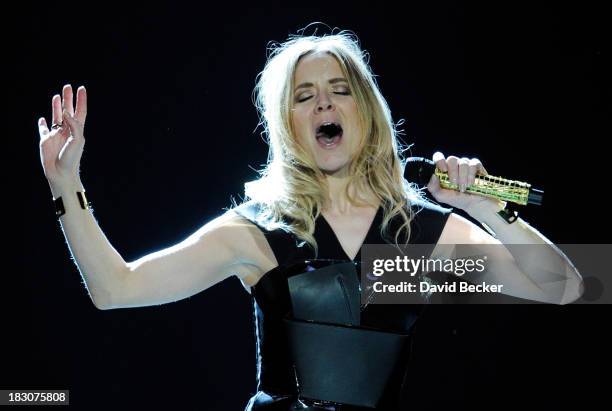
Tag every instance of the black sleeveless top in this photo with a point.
(276, 382)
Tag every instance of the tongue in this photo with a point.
(325, 139)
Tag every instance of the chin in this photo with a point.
(333, 168)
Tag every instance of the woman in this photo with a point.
(334, 181)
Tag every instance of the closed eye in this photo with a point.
(342, 93)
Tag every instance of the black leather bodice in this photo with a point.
(276, 381)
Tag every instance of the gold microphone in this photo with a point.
(419, 170)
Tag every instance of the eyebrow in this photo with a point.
(331, 81)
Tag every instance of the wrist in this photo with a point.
(66, 188)
(69, 197)
(486, 209)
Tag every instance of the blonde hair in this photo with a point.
(291, 188)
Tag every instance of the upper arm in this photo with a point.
(227, 245)
(460, 230)
(501, 266)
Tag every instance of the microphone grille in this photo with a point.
(419, 170)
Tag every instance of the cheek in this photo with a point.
(355, 124)
(301, 125)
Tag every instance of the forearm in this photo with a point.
(544, 263)
(101, 266)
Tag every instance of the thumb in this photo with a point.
(72, 124)
(434, 184)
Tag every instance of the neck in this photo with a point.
(339, 203)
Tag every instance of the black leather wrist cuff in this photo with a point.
(509, 213)
(83, 200)
(60, 210)
(59, 207)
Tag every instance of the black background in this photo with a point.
(171, 137)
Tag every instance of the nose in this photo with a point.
(324, 103)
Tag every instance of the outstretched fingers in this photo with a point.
(81, 104)
(56, 110)
(68, 99)
(43, 129)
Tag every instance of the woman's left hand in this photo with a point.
(461, 171)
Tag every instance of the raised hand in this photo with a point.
(61, 145)
(461, 171)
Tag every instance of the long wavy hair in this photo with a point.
(291, 188)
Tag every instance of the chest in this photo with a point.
(350, 231)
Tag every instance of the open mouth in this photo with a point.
(329, 134)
